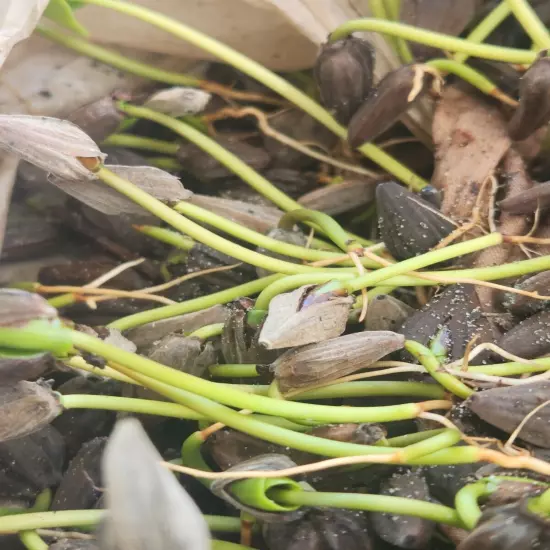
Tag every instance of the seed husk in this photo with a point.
(409, 225)
(72, 544)
(530, 338)
(290, 324)
(18, 307)
(401, 531)
(534, 100)
(98, 119)
(344, 75)
(506, 407)
(390, 100)
(387, 313)
(525, 305)
(528, 201)
(329, 360)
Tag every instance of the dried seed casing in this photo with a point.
(527, 202)
(386, 313)
(525, 305)
(530, 338)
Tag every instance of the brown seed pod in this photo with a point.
(339, 198)
(321, 529)
(291, 237)
(221, 487)
(75, 544)
(527, 202)
(332, 359)
(26, 407)
(30, 367)
(506, 407)
(391, 99)
(409, 225)
(534, 100)
(344, 75)
(18, 307)
(98, 119)
(525, 305)
(292, 323)
(404, 531)
(456, 315)
(530, 338)
(509, 527)
(508, 491)
(386, 313)
(81, 485)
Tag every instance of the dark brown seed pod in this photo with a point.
(291, 322)
(508, 491)
(409, 225)
(14, 369)
(455, 313)
(344, 75)
(404, 531)
(98, 119)
(240, 340)
(339, 198)
(387, 313)
(206, 168)
(506, 407)
(530, 338)
(534, 100)
(363, 434)
(390, 100)
(527, 202)
(30, 464)
(183, 353)
(18, 307)
(290, 237)
(80, 425)
(26, 407)
(321, 529)
(332, 359)
(524, 305)
(80, 487)
(509, 527)
(222, 487)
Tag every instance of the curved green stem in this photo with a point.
(117, 60)
(431, 364)
(191, 456)
(473, 77)
(466, 502)
(223, 393)
(208, 331)
(224, 545)
(194, 230)
(371, 503)
(36, 336)
(541, 505)
(433, 39)
(409, 439)
(233, 371)
(127, 404)
(485, 27)
(265, 76)
(140, 142)
(530, 22)
(253, 237)
(331, 228)
(32, 541)
(167, 236)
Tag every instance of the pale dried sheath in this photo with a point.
(179, 101)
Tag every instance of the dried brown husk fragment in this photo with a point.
(387, 313)
(323, 362)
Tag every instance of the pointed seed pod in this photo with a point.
(148, 508)
(391, 99)
(306, 315)
(18, 307)
(98, 119)
(321, 529)
(528, 201)
(534, 100)
(404, 531)
(508, 491)
(409, 225)
(30, 367)
(509, 527)
(224, 487)
(506, 407)
(386, 313)
(332, 359)
(79, 488)
(290, 237)
(344, 74)
(57, 146)
(524, 305)
(26, 407)
(530, 338)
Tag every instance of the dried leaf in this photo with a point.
(148, 508)
(332, 359)
(158, 183)
(179, 101)
(57, 146)
(289, 324)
